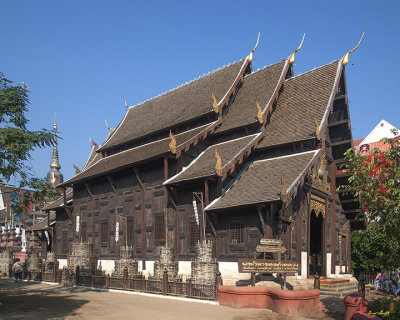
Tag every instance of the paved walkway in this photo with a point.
(28, 300)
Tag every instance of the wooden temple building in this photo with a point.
(262, 148)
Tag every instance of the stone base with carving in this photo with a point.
(204, 268)
(166, 262)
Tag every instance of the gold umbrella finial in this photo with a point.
(317, 132)
(218, 164)
(345, 59)
(172, 144)
(215, 104)
(291, 59)
(259, 114)
(250, 56)
(284, 186)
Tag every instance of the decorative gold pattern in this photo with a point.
(317, 132)
(218, 164)
(259, 114)
(318, 205)
(215, 104)
(345, 59)
(172, 144)
(291, 59)
(320, 177)
(250, 56)
(345, 230)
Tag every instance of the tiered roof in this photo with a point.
(261, 181)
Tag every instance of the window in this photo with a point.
(83, 232)
(236, 233)
(64, 243)
(159, 228)
(104, 232)
(194, 234)
(129, 227)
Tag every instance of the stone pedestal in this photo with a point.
(166, 262)
(82, 256)
(5, 263)
(34, 263)
(126, 260)
(204, 267)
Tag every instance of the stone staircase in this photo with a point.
(338, 288)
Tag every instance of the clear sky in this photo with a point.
(80, 58)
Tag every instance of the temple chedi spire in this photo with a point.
(54, 176)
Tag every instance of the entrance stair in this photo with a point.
(338, 287)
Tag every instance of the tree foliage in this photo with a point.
(17, 142)
(376, 181)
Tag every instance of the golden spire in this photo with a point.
(215, 104)
(345, 59)
(172, 144)
(259, 114)
(109, 129)
(126, 105)
(317, 132)
(250, 56)
(284, 187)
(218, 164)
(291, 59)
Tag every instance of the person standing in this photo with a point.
(17, 269)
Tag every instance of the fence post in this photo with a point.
(108, 281)
(218, 282)
(42, 271)
(165, 282)
(54, 273)
(361, 286)
(77, 276)
(189, 287)
(125, 279)
(143, 283)
(316, 281)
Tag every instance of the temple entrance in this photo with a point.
(316, 252)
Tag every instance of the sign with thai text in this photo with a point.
(270, 249)
(270, 242)
(248, 265)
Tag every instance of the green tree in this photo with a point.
(17, 142)
(376, 181)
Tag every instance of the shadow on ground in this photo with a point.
(23, 301)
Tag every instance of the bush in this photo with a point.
(381, 308)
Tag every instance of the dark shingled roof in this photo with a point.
(182, 104)
(204, 164)
(258, 86)
(43, 223)
(303, 99)
(131, 156)
(261, 182)
(59, 202)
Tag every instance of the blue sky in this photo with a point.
(80, 58)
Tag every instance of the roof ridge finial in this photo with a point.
(292, 56)
(215, 103)
(218, 164)
(109, 129)
(284, 186)
(317, 131)
(250, 56)
(126, 105)
(172, 144)
(345, 59)
(259, 114)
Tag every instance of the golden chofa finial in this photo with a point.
(218, 164)
(259, 114)
(126, 105)
(291, 59)
(215, 104)
(172, 144)
(250, 56)
(317, 132)
(345, 59)
(109, 129)
(284, 187)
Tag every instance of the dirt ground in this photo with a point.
(29, 300)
